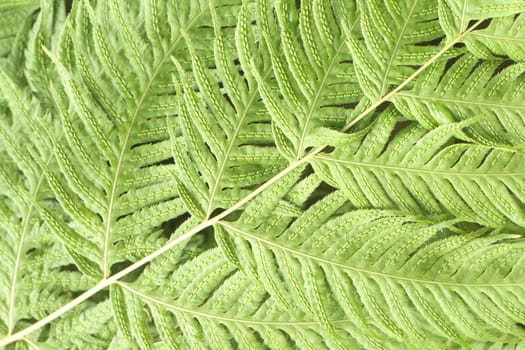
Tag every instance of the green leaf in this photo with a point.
(255, 174)
(396, 37)
(466, 88)
(402, 166)
(389, 268)
(502, 37)
(213, 304)
(456, 14)
(311, 45)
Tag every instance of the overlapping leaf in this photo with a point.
(37, 274)
(455, 15)
(419, 280)
(214, 304)
(313, 89)
(403, 166)
(467, 88)
(359, 168)
(397, 35)
(116, 101)
(503, 37)
(226, 145)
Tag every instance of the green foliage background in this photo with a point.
(258, 174)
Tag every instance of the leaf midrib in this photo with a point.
(222, 318)
(499, 37)
(25, 227)
(21, 241)
(362, 164)
(396, 48)
(209, 315)
(460, 101)
(463, 14)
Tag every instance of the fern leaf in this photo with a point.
(224, 308)
(382, 260)
(403, 166)
(314, 106)
(254, 174)
(503, 37)
(456, 14)
(37, 274)
(92, 325)
(448, 93)
(396, 37)
(131, 190)
(39, 72)
(226, 131)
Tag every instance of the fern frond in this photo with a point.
(116, 101)
(455, 15)
(396, 37)
(226, 131)
(38, 68)
(212, 304)
(466, 88)
(403, 166)
(502, 38)
(92, 325)
(38, 274)
(254, 174)
(385, 268)
(311, 44)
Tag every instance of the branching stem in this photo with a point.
(212, 221)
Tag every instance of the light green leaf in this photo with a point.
(402, 166)
(257, 174)
(466, 88)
